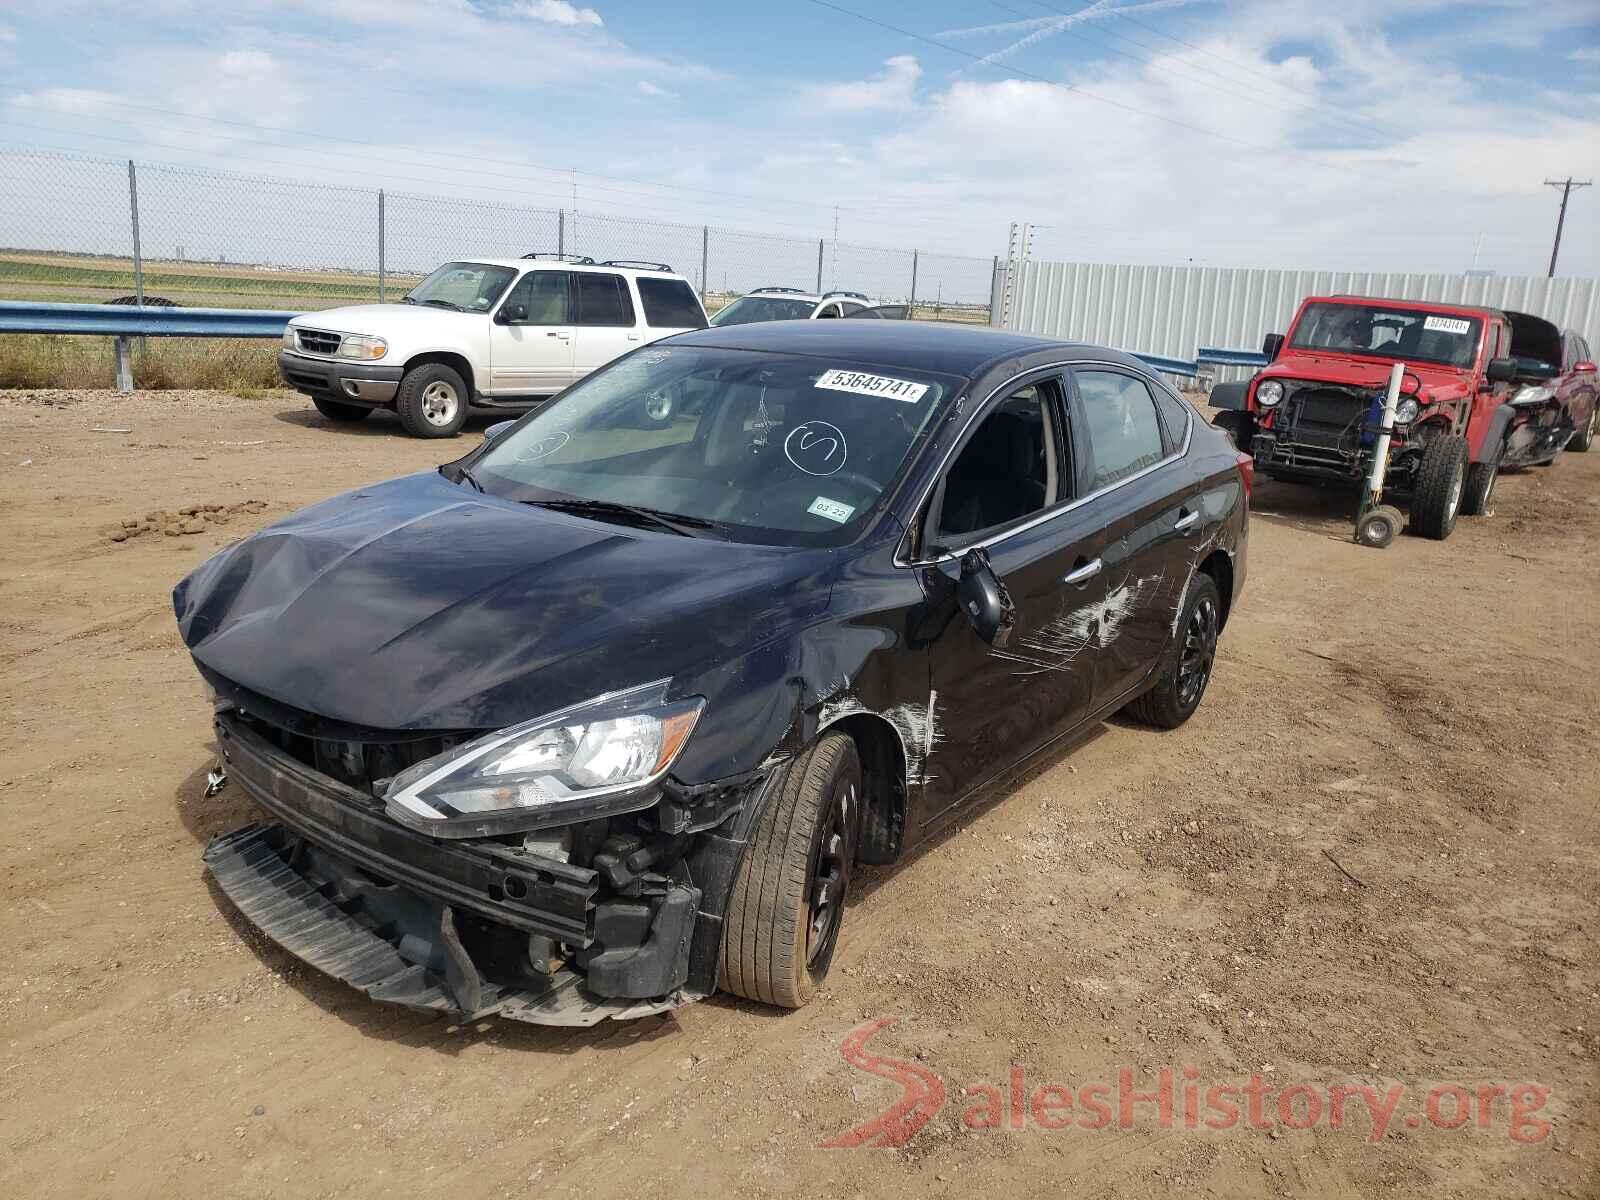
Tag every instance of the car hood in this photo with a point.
(420, 604)
(381, 320)
(1348, 370)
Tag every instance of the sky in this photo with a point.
(1360, 135)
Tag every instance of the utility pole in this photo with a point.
(1566, 185)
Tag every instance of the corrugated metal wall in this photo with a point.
(1173, 311)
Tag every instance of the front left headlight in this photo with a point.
(1406, 410)
(356, 346)
(598, 758)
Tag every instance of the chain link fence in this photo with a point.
(74, 228)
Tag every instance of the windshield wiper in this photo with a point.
(462, 473)
(409, 300)
(444, 304)
(673, 522)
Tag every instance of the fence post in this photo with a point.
(705, 256)
(380, 246)
(561, 231)
(912, 310)
(821, 242)
(124, 355)
(138, 259)
(994, 292)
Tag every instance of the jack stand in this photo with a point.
(1377, 523)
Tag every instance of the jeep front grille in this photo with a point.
(1328, 417)
(317, 341)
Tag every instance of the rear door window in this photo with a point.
(670, 304)
(602, 299)
(1122, 432)
(1175, 415)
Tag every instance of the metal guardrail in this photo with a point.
(1231, 358)
(125, 321)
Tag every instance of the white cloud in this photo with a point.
(655, 89)
(1588, 54)
(560, 12)
(82, 102)
(8, 35)
(893, 89)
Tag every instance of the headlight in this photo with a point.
(356, 346)
(288, 338)
(594, 759)
(1406, 410)
(1268, 393)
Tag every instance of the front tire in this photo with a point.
(432, 401)
(787, 903)
(1441, 480)
(1584, 438)
(1189, 660)
(343, 414)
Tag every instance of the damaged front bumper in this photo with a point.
(465, 928)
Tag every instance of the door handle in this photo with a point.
(556, 333)
(1082, 574)
(1187, 522)
(633, 337)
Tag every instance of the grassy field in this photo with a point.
(43, 361)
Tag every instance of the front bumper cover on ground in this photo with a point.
(385, 909)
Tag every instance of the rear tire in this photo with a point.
(787, 903)
(1189, 660)
(1441, 480)
(432, 402)
(345, 414)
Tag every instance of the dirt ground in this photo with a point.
(1373, 858)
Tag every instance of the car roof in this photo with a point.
(785, 294)
(946, 347)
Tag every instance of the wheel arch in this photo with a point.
(884, 779)
(1219, 566)
(456, 361)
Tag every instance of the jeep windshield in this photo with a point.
(747, 309)
(1386, 331)
(464, 286)
(781, 449)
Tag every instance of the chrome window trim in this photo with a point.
(1048, 514)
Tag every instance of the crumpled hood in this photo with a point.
(421, 604)
(1351, 371)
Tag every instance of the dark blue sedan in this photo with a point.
(602, 716)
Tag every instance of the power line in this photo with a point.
(1365, 125)
(1566, 185)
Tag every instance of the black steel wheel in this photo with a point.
(787, 903)
(1190, 660)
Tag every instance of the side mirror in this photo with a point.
(1271, 344)
(1501, 370)
(984, 599)
(509, 314)
(497, 430)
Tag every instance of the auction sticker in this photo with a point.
(872, 385)
(1446, 325)
(832, 509)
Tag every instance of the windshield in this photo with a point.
(747, 309)
(470, 287)
(776, 448)
(1388, 332)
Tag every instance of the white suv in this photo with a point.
(790, 304)
(498, 333)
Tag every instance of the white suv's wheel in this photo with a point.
(432, 402)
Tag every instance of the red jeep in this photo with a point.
(1471, 402)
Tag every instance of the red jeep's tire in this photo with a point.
(1478, 494)
(1441, 481)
